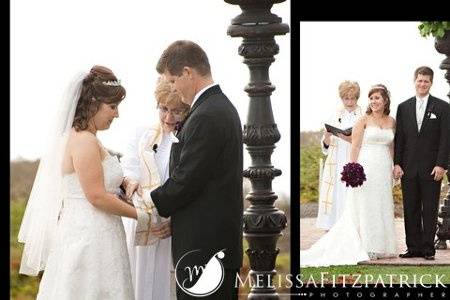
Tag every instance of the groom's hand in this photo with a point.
(398, 172)
(438, 173)
(162, 231)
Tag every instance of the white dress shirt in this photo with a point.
(421, 105)
(199, 93)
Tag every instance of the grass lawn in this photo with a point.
(377, 274)
(21, 287)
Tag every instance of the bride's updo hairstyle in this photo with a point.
(380, 88)
(99, 86)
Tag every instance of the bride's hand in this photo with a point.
(122, 197)
(130, 187)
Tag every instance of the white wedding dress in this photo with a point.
(90, 258)
(366, 228)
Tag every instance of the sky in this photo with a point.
(52, 40)
(366, 52)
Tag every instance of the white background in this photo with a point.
(51, 40)
(367, 52)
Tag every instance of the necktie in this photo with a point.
(420, 113)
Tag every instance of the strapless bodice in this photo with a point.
(374, 135)
(112, 176)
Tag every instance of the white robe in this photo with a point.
(151, 266)
(331, 189)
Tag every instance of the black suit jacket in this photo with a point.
(203, 195)
(419, 152)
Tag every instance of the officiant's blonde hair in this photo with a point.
(166, 95)
(349, 87)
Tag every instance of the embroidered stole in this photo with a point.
(149, 180)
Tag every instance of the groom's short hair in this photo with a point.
(182, 54)
(424, 70)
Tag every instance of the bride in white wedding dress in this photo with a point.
(72, 226)
(366, 228)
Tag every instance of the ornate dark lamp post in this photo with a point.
(263, 222)
(442, 45)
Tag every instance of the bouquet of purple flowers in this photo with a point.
(353, 175)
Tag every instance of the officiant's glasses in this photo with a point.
(176, 113)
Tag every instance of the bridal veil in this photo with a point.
(39, 222)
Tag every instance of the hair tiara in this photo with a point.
(379, 86)
(112, 83)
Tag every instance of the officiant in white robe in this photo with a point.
(146, 166)
(337, 150)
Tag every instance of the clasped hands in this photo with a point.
(162, 230)
(438, 172)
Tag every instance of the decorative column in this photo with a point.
(442, 45)
(263, 222)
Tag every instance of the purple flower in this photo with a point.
(353, 175)
(178, 126)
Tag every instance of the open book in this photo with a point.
(334, 130)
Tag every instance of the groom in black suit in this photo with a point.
(422, 146)
(203, 196)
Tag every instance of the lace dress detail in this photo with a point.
(90, 258)
(366, 230)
